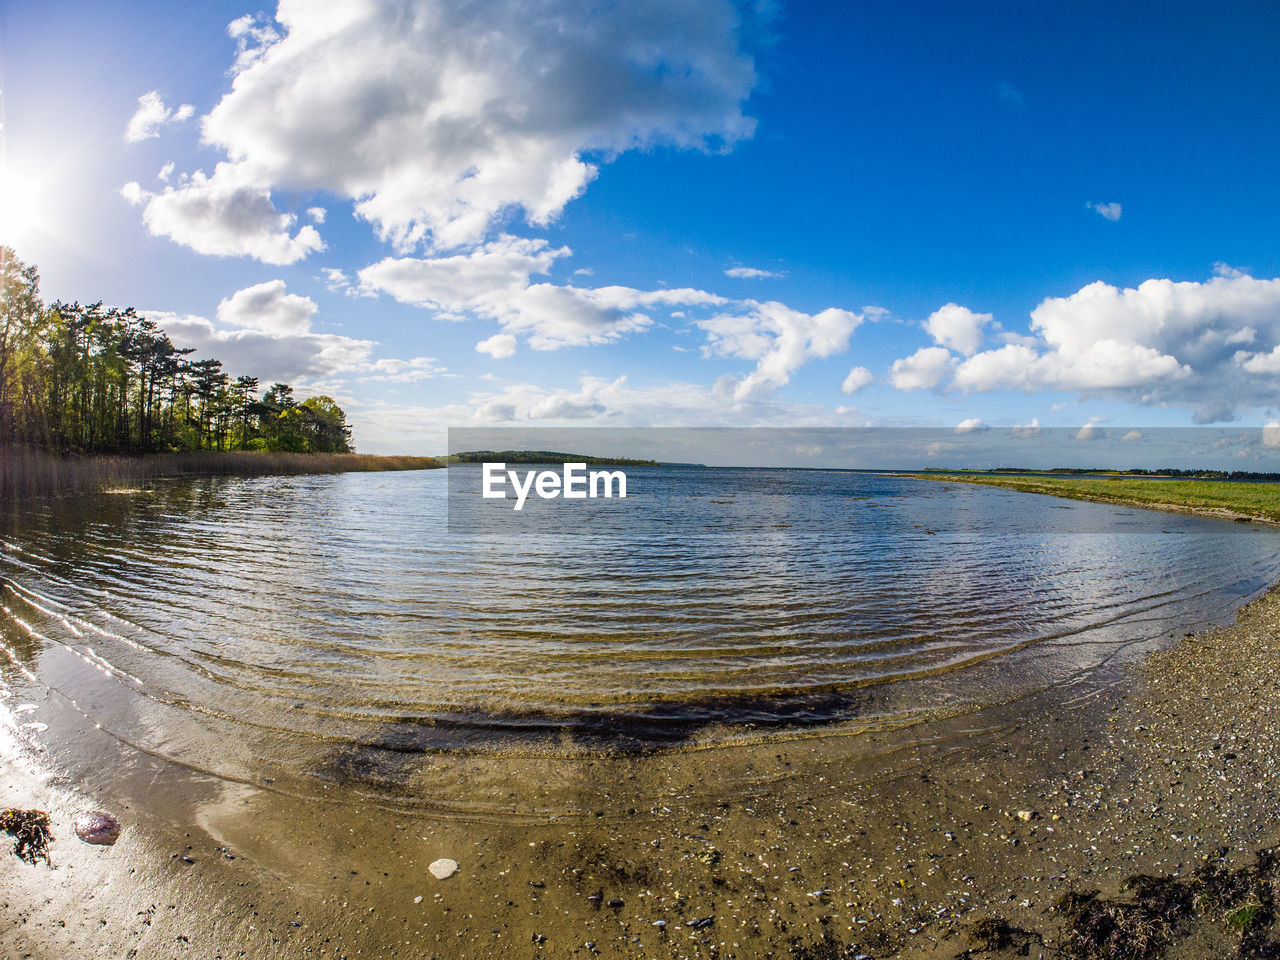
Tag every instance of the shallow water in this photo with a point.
(311, 631)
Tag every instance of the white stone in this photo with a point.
(444, 868)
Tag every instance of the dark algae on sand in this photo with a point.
(30, 832)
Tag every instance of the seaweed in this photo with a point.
(30, 832)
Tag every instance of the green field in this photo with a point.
(1255, 501)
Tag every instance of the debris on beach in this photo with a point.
(443, 868)
(30, 831)
(98, 826)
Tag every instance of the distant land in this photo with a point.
(542, 456)
(1164, 472)
(1211, 496)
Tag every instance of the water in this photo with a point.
(311, 630)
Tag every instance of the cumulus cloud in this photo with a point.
(957, 327)
(1221, 269)
(971, 425)
(437, 123)
(224, 216)
(295, 358)
(923, 370)
(498, 346)
(858, 378)
(1213, 345)
(264, 331)
(478, 280)
(779, 339)
(494, 282)
(267, 308)
(1028, 430)
(749, 273)
(151, 115)
(1108, 211)
(390, 370)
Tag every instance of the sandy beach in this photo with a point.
(880, 844)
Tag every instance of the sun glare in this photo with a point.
(22, 215)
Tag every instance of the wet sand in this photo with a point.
(825, 845)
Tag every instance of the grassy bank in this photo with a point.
(27, 473)
(1245, 501)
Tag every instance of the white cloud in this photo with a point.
(265, 332)
(957, 327)
(971, 425)
(151, 115)
(295, 358)
(858, 378)
(923, 370)
(1108, 211)
(1132, 436)
(1221, 269)
(317, 214)
(779, 339)
(267, 308)
(438, 123)
(1090, 431)
(498, 346)
(595, 401)
(749, 273)
(1214, 346)
(1271, 434)
(1027, 430)
(335, 280)
(479, 280)
(224, 216)
(493, 282)
(401, 371)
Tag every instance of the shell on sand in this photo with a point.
(443, 869)
(98, 827)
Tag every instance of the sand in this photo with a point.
(878, 844)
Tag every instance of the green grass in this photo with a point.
(1256, 501)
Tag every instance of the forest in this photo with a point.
(89, 379)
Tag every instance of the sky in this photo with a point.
(675, 213)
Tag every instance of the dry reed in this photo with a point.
(31, 473)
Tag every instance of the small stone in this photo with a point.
(444, 868)
(98, 827)
(1026, 815)
(418, 899)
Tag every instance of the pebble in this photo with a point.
(444, 868)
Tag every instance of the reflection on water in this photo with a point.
(312, 630)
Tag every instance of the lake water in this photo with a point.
(306, 630)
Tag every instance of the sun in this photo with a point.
(22, 214)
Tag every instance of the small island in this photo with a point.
(544, 456)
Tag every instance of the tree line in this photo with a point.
(88, 379)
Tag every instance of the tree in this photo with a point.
(85, 379)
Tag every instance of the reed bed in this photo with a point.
(33, 473)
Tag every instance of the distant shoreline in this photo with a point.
(1242, 501)
(28, 473)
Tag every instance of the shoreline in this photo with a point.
(27, 474)
(862, 845)
(1062, 488)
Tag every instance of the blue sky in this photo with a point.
(936, 213)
